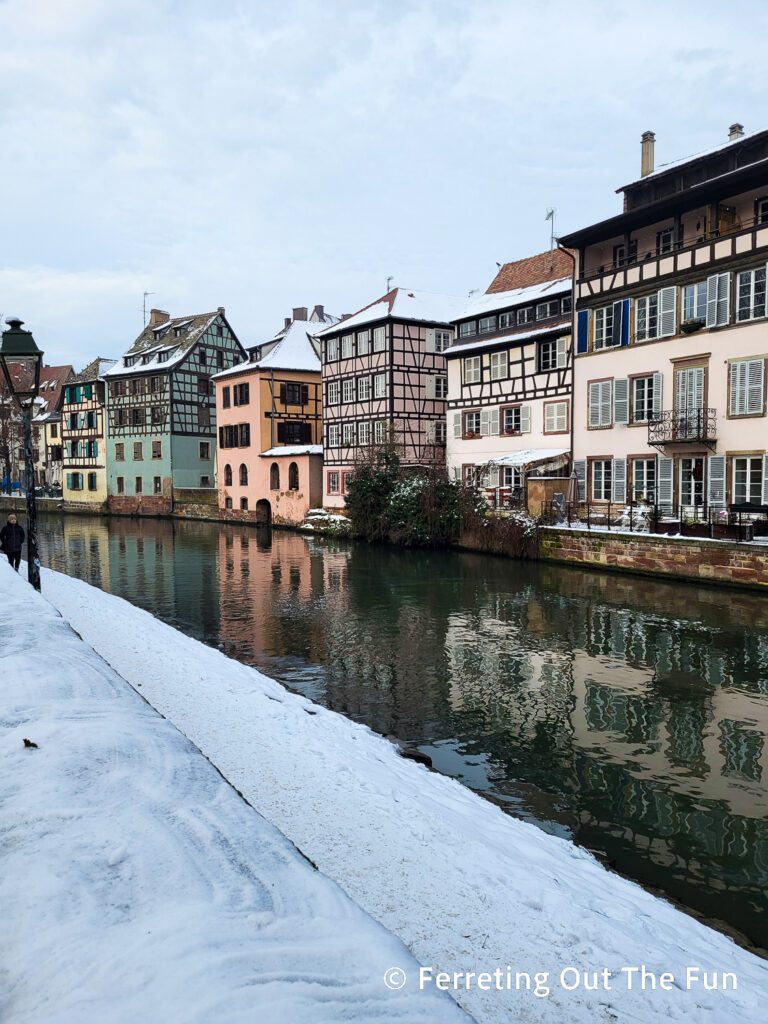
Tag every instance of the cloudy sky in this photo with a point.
(275, 153)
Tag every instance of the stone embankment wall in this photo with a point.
(704, 561)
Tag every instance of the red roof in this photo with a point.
(546, 266)
(52, 381)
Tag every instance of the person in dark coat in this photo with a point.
(11, 540)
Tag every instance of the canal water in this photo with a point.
(626, 714)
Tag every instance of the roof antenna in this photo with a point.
(471, 292)
(144, 308)
(551, 211)
(390, 279)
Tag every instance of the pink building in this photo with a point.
(669, 400)
(384, 374)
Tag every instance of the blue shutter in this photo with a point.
(625, 322)
(69, 481)
(582, 331)
(95, 449)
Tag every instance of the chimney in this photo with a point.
(300, 313)
(287, 323)
(318, 314)
(158, 316)
(736, 131)
(646, 153)
(221, 310)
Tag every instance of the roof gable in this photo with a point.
(533, 270)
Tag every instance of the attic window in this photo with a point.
(147, 358)
(162, 357)
(129, 360)
(179, 331)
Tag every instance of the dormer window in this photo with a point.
(147, 358)
(468, 329)
(525, 315)
(487, 324)
(179, 332)
(129, 360)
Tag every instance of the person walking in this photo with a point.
(11, 539)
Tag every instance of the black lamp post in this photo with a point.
(21, 360)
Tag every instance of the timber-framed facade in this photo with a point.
(83, 438)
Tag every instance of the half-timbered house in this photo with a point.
(384, 375)
(83, 437)
(161, 410)
(672, 335)
(47, 449)
(509, 378)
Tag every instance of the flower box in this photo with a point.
(690, 326)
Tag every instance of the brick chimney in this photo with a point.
(647, 143)
(158, 316)
(300, 313)
(318, 314)
(736, 131)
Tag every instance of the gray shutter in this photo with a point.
(594, 405)
(429, 341)
(606, 391)
(621, 400)
(765, 479)
(667, 318)
(562, 352)
(580, 469)
(619, 477)
(430, 385)
(457, 431)
(525, 419)
(755, 374)
(736, 389)
(657, 396)
(493, 421)
(712, 300)
(664, 488)
(723, 298)
(716, 481)
(484, 423)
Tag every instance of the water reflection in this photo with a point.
(570, 697)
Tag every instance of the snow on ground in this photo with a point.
(468, 888)
(137, 886)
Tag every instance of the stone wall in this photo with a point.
(139, 505)
(705, 561)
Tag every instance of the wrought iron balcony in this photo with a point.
(683, 426)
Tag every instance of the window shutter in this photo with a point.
(429, 342)
(549, 418)
(617, 329)
(621, 400)
(723, 298)
(657, 395)
(667, 319)
(562, 352)
(484, 423)
(698, 382)
(493, 477)
(580, 469)
(664, 489)
(221, 437)
(308, 433)
(755, 374)
(625, 322)
(712, 301)
(619, 476)
(525, 419)
(716, 483)
(765, 479)
(282, 394)
(594, 405)
(281, 432)
(457, 424)
(606, 391)
(582, 331)
(69, 482)
(95, 449)
(430, 385)
(304, 394)
(429, 432)
(735, 392)
(493, 421)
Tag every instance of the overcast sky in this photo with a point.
(277, 153)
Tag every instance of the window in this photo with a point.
(118, 389)
(243, 475)
(334, 435)
(553, 354)
(219, 330)
(379, 339)
(348, 434)
(136, 387)
(157, 449)
(499, 365)
(472, 371)
(157, 484)
(665, 241)
(525, 315)
(244, 430)
(622, 256)
(442, 340)
(205, 481)
(294, 394)
(332, 350)
(748, 480)
(241, 394)
(91, 449)
(293, 477)
(348, 389)
(154, 383)
(646, 318)
(600, 399)
(364, 433)
(545, 310)
(487, 324)
(604, 327)
(225, 397)
(54, 430)
(601, 480)
(333, 482)
(91, 481)
(73, 421)
(294, 432)
(274, 477)
(228, 503)
(347, 346)
(157, 414)
(467, 329)
(506, 320)
(695, 301)
(643, 487)
(139, 485)
(555, 417)
(363, 389)
(363, 343)
(512, 422)
(441, 431)
(689, 390)
(227, 475)
(219, 359)
(204, 417)
(203, 354)
(243, 504)
(120, 452)
(761, 210)
(380, 385)
(138, 451)
(121, 485)
(380, 431)
(441, 387)
(567, 304)
(746, 387)
(472, 424)
(137, 417)
(642, 399)
(333, 392)
(751, 294)
(75, 481)
(203, 386)
(205, 450)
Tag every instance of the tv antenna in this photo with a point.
(390, 279)
(551, 211)
(144, 307)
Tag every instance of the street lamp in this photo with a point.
(21, 360)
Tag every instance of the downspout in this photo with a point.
(572, 258)
(272, 416)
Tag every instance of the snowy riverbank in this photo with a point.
(468, 888)
(136, 885)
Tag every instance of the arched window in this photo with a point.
(243, 474)
(293, 477)
(227, 476)
(274, 477)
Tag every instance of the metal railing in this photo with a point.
(504, 497)
(681, 425)
(719, 522)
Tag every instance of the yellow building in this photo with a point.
(83, 439)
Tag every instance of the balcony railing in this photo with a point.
(683, 426)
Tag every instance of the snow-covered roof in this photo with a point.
(152, 343)
(292, 449)
(403, 304)
(529, 457)
(95, 370)
(491, 301)
(293, 351)
(663, 168)
(477, 346)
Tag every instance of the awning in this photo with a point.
(542, 459)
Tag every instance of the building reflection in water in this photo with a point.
(569, 697)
